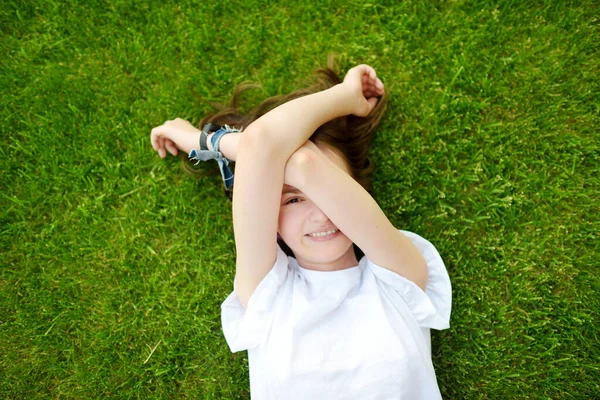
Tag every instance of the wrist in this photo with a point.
(209, 141)
(228, 145)
(190, 141)
(342, 99)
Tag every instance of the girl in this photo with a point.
(319, 319)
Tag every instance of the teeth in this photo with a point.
(318, 234)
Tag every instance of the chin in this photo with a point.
(328, 254)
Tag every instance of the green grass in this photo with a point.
(490, 149)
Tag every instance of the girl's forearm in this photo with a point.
(228, 146)
(290, 125)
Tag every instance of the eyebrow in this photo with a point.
(291, 189)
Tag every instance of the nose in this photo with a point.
(316, 215)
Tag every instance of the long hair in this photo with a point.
(349, 136)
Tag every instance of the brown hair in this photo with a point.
(349, 136)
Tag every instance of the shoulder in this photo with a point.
(431, 306)
(245, 327)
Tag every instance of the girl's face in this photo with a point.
(299, 216)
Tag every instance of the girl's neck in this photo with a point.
(348, 260)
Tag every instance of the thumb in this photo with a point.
(372, 103)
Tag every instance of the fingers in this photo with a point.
(371, 72)
(161, 147)
(372, 85)
(154, 138)
(372, 103)
(160, 142)
(171, 147)
(366, 69)
(371, 89)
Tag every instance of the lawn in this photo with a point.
(115, 262)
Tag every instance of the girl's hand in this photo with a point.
(174, 135)
(364, 87)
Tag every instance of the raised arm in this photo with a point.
(352, 210)
(264, 150)
(290, 125)
(261, 155)
(285, 128)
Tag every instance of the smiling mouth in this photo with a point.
(323, 234)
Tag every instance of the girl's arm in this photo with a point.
(260, 170)
(352, 210)
(263, 160)
(179, 134)
(290, 125)
(263, 152)
(286, 127)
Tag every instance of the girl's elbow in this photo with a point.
(257, 144)
(302, 158)
(297, 169)
(251, 137)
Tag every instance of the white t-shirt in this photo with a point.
(358, 333)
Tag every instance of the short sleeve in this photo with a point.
(431, 307)
(246, 328)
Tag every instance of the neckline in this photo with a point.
(311, 273)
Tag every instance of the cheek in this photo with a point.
(283, 223)
(290, 221)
